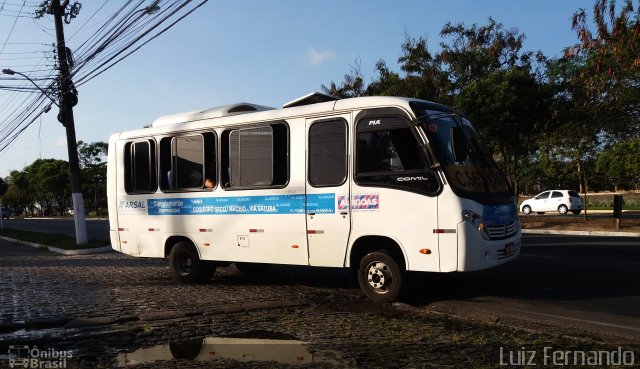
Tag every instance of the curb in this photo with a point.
(581, 233)
(57, 250)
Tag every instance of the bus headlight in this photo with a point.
(477, 222)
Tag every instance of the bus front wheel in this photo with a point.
(187, 266)
(380, 276)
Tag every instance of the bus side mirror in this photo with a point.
(459, 144)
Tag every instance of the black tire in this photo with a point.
(380, 277)
(576, 212)
(526, 210)
(253, 269)
(186, 350)
(187, 266)
(563, 209)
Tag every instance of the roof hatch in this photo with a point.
(221, 111)
(308, 99)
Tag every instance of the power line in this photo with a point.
(11, 31)
(127, 30)
(97, 71)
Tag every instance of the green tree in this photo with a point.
(476, 51)
(424, 77)
(611, 54)
(50, 184)
(353, 84)
(510, 109)
(620, 164)
(19, 196)
(92, 157)
(467, 54)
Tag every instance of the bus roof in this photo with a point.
(310, 104)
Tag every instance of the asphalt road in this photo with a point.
(579, 283)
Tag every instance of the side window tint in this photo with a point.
(328, 153)
(393, 150)
(556, 194)
(251, 157)
(188, 157)
(140, 167)
(188, 162)
(542, 196)
(256, 157)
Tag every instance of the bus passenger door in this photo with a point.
(327, 190)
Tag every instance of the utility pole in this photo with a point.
(68, 99)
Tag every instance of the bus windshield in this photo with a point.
(477, 176)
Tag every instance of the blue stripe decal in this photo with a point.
(276, 204)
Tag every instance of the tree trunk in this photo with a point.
(581, 183)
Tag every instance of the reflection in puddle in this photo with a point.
(213, 348)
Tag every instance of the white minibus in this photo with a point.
(381, 185)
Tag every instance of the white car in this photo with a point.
(561, 201)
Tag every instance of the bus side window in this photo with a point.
(393, 150)
(388, 155)
(188, 162)
(140, 167)
(256, 157)
(328, 153)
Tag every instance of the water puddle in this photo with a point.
(286, 350)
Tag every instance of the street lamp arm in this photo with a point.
(11, 72)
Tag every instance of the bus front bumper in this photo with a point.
(480, 253)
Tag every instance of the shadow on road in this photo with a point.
(598, 277)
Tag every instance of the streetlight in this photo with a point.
(11, 72)
(66, 114)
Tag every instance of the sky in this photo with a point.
(256, 51)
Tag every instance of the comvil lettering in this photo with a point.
(409, 179)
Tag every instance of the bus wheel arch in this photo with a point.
(172, 241)
(185, 262)
(379, 265)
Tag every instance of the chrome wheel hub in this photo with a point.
(379, 276)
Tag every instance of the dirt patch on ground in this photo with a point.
(596, 222)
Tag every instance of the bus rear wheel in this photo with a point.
(187, 266)
(380, 276)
